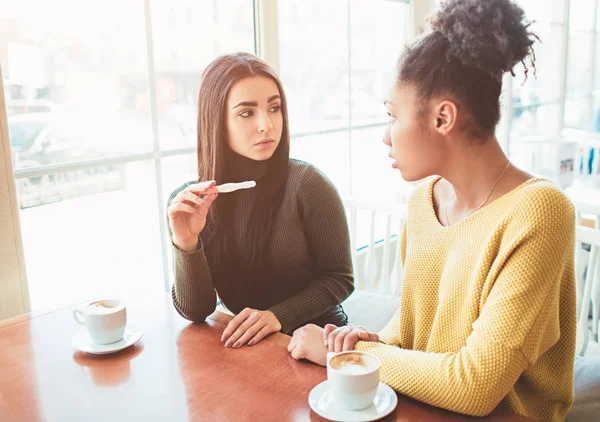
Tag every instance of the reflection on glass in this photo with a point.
(76, 83)
(187, 36)
(317, 94)
(86, 245)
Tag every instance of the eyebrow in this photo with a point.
(254, 103)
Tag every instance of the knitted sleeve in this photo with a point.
(193, 293)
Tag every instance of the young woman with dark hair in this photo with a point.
(277, 255)
(487, 317)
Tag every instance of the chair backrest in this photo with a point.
(375, 241)
(587, 208)
(591, 237)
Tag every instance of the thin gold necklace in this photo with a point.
(484, 201)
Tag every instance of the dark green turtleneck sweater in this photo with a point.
(309, 254)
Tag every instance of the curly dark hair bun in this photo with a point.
(491, 35)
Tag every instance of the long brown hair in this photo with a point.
(213, 151)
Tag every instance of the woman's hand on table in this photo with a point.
(307, 343)
(249, 327)
(312, 342)
(340, 339)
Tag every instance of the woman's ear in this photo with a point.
(445, 115)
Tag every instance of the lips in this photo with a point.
(265, 142)
(394, 162)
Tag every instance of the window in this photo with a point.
(337, 116)
(579, 110)
(96, 151)
(102, 114)
(187, 35)
(336, 110)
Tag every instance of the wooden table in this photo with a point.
(179, 371)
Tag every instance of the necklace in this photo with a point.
(484, 201)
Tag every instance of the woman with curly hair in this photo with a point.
(487, 316)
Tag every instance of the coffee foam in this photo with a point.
(351, 364)
(103, 307)
(351, 369)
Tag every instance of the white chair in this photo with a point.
(591, 237)
(374, 236)
(377, 266)
(593, 210)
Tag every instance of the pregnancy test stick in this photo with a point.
(232, 187)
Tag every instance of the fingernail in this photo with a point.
(228, 344)
(236, 345)
(250, 343)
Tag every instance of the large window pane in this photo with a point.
(577, 114)
(317, 94)
(596, 113)
(377, 38)
(582, 15)
(372, 172)
(187, 36)
(544, 11)
(77, 81)
(597, 64)
(87, 245)
(533, 120)
(579, 64)
(330, 153)
(544, 86)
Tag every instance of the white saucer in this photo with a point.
(82, 342)
(321, 401)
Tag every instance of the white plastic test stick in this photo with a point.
(232, 187)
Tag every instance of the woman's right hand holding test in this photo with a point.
(187, 214)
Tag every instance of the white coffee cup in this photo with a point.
(353, 378)
(105, 320)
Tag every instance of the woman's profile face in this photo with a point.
(253, 117)
(414, 146)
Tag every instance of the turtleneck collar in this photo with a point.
(240, 168)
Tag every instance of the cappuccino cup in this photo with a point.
(104, 320)
(353, 378)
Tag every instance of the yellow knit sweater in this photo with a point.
(488, 312)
